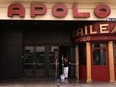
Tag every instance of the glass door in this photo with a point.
(29, 61)
(40, 61)
(34, 61)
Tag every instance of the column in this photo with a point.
(111, 61)
(88, 60)
(77, 61)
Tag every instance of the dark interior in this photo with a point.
(15, 34)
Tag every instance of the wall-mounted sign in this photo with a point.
(59, 10)
(95, 32)
(95, 38)
(96, 28)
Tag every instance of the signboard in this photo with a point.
(58, 10)
(55, 11)
(99, 31)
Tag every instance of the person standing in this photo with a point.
(66, 67)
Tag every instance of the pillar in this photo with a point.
(88, 60)
(77, 61)
(111, 61)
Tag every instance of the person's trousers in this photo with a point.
(66, 72)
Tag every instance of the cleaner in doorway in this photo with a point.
(66, 67)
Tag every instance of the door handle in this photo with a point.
(33, 63)
(74, 64)
(22, 57)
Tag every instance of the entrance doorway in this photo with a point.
(40, 61)
(41, 46)
(45, 61)
(69, 52)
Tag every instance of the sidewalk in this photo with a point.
(52, 83)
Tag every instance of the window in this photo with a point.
(99, 53)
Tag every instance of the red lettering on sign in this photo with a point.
(16, 9)
(59, 10)
(102, 11)
(37, 9)
(77, 14)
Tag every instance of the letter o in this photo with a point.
(59, 10)
(102, 11)
(81, 39)
(88, 38)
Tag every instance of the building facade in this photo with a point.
(36, 34)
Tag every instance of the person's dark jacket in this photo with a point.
(66, 64)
